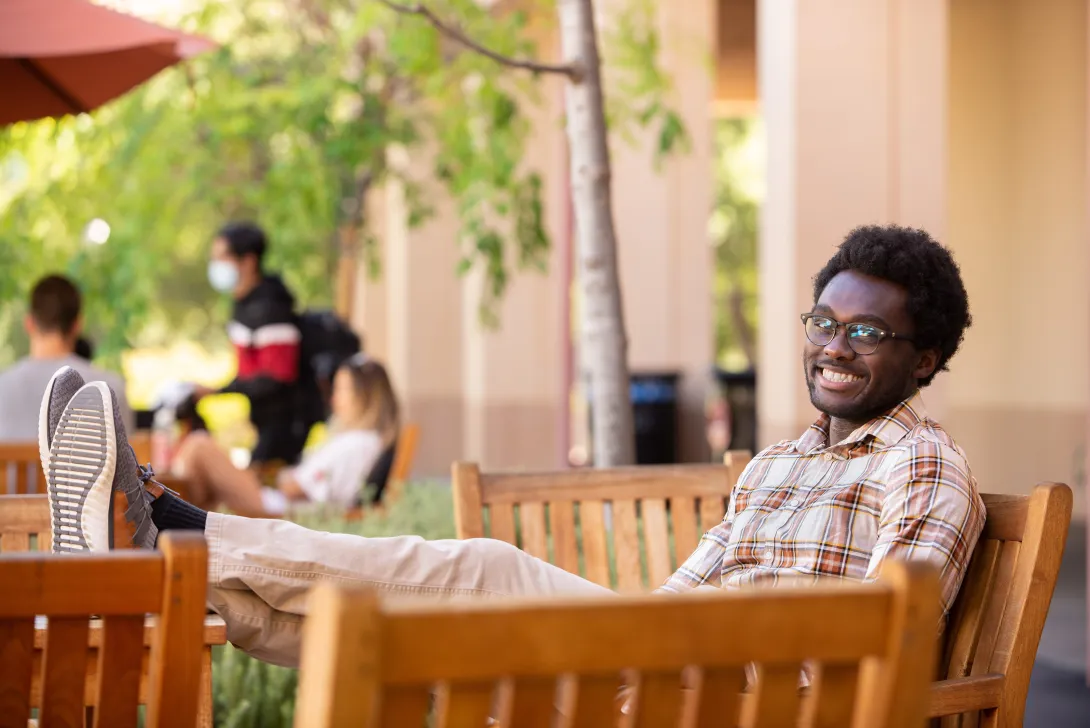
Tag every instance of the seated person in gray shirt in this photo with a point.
(53, 325)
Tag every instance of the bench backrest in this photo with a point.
(624, 528)
(522, 662)
(20, 468)
(120, 589)
(24, 524)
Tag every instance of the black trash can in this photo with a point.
(739, 389)
(654, 397)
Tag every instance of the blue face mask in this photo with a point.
(223, 275)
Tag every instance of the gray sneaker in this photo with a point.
(58, 393)
(89, 459)
(79, 471)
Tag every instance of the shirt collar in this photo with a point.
(886, 430)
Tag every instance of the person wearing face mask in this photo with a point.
(265, 333)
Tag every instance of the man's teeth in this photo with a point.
(838, 376)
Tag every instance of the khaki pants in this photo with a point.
(260, 570)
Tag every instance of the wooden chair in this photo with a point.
(20, 468)
(404, 455)
(24, 526)
(669, 506)
(993, 631)
(995, 626)
(521, 662)
(53, 664)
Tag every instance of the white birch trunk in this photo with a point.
(604, 344)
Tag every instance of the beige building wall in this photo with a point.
(853, 97)
(1017, 210)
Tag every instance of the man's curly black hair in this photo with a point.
(937, 301)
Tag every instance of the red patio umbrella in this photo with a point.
(62, 57)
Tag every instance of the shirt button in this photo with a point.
(767, 556)
(794, 503)
(829, 456)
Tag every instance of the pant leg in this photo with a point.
(260, 571)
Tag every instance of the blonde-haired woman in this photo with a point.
(363, 427)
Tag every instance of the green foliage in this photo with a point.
(248, 693)
(639, 87)
(733, 229)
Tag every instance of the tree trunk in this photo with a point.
(604, 344)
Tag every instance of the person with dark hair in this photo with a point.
(53, 325)
(266, 337)
(873, 480)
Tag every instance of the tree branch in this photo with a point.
(572, 71)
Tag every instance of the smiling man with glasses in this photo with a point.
(873, 478)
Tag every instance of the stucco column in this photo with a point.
(854, 99)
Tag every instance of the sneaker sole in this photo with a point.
(80, 471)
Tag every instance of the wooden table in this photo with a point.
(215, 633)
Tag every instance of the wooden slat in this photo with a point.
(626, 546)
(464, 704)
(562, 529)
(994, 607)
(533, 703)
(686, 533)
(173, 688)
(719, 697)
(777, 697)
(968, 614)
(532, 522)
(831, 700)
(659, 699)
(501, 522)
(592, 526)
(64, 672)
(595, 703)
(468, 518)
(13, 543)
(960, 695)
(405, 706)
(1006, 519)
(22, 480)
(24, 514)
(130, 583)
(119, 663)
(711, 513)
(16, 659)
(462, 638)
(656, 537)
(600, 484)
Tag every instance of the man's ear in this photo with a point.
(77, 327)
(29, 325)
(927, 363)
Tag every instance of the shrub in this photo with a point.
(248, 693)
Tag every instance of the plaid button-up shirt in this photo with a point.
(897, 487)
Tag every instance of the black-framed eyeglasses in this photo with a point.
(862, 338)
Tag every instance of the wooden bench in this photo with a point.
(97, 607)
(24, 526)
(20, 468)
(658, 514)
(994, 628)
(523, 662)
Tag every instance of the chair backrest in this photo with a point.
(404, 454)
(20, 468)
(870, 647)
(996, 623)
(648, 518)
(120, 589)
(24, 524)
